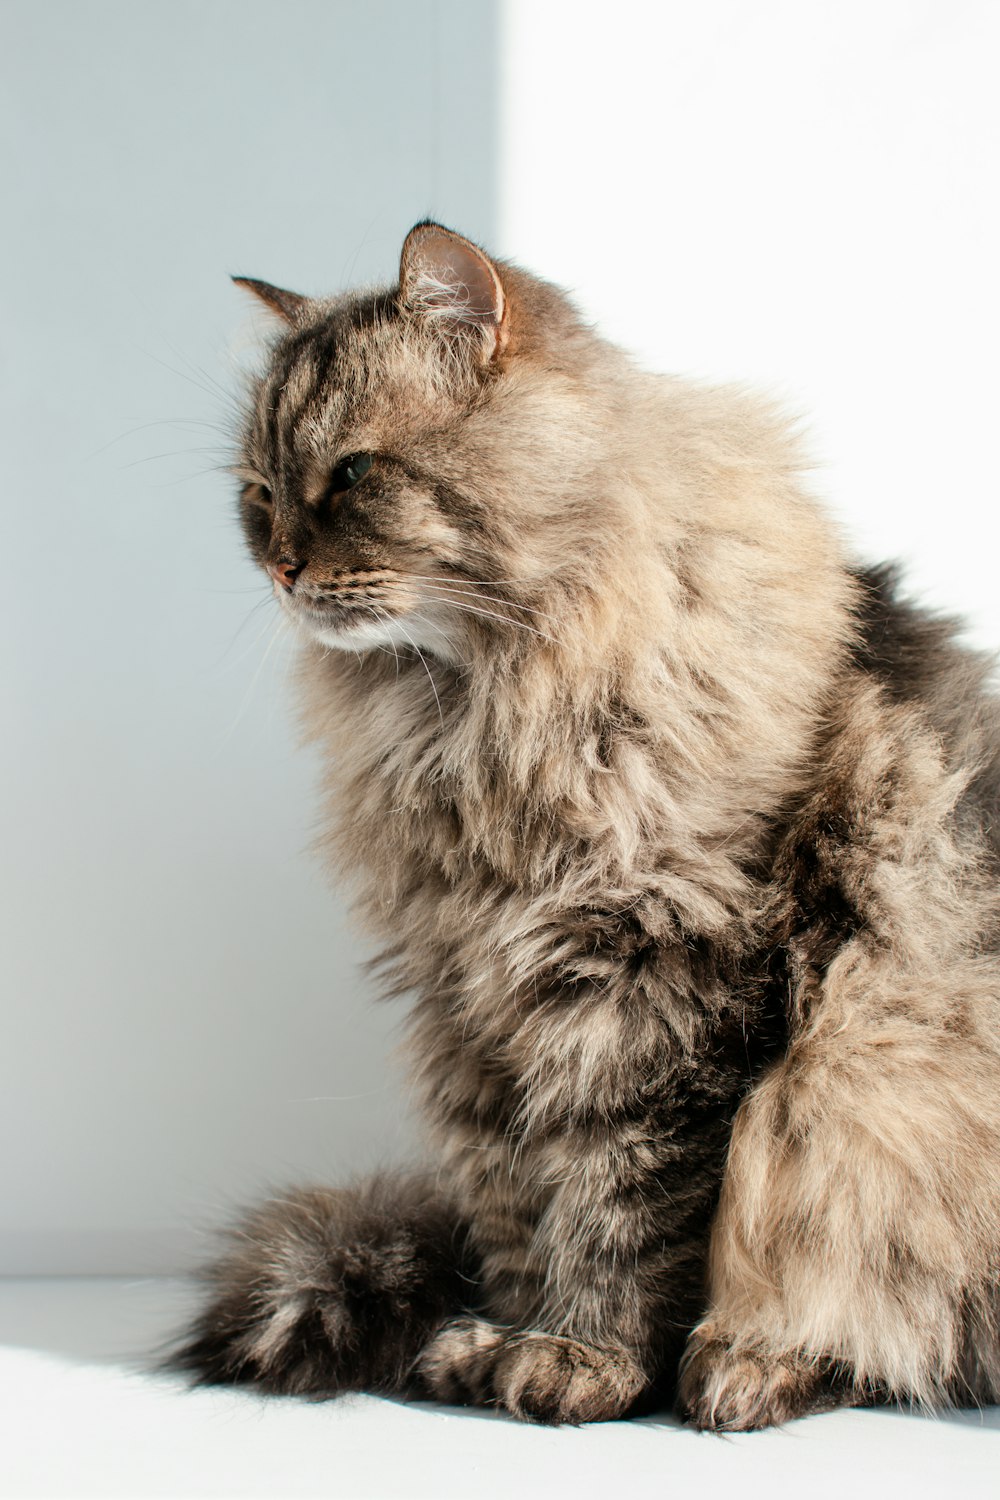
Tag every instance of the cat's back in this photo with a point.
(921, 664)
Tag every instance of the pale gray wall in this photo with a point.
(183, 1017)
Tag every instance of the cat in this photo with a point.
(680, 827)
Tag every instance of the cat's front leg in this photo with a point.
(854, 1251)
(331, 1290)
(593, 1295)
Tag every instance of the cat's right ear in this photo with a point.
(445, 278)
(288, 305)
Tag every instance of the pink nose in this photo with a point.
(285, 572)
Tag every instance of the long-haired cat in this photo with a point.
(682, 831)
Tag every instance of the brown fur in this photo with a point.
(678, 828)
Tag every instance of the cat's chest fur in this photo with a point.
(437, 791)
(568, 943)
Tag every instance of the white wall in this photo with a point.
(183, 1016)
(799, 193)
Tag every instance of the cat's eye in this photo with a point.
(258, 494)
(349, 472)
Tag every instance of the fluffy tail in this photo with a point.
(332, 1290)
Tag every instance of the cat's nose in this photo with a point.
(285, 572)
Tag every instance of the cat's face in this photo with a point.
(379, 472)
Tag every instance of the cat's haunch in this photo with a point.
(681, 830)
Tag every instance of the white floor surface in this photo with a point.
(80, 1416)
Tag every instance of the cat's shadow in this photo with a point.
(496, 1414)
(981, 1417)
(961, 1416)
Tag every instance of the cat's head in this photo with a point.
(415, 462)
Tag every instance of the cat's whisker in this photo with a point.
(462, 593)
(381, 616)
(456, 658)
(427, 669)
(214, 390)
(150, 458)
(518, 583)
(460, 587)
(216, 427)
(487, 614)
(238, 593)
(231, 666)
(169, 484)
(221, 391)
(338, 1098)
(279, 632)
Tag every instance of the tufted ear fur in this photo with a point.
(445, 277)
(288, 305)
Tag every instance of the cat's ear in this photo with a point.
(445, 277)
(288, 305)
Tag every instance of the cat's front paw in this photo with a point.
(540, 1377)
(459, 1363)
(730, 1387)
(547, 1378)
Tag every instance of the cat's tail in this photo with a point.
(325, 1290)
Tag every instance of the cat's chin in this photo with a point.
(385, 634)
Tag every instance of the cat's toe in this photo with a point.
(457, 1365)
(547, 1378)
(738, 1389)
(539, 1377)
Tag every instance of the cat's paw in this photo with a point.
(458, 1364)
(547, 1378)
(738, 1389)
(541, 1377)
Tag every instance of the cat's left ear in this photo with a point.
(445, 277)
(288, 305)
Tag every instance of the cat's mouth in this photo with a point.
(360, 618)
(336, 615)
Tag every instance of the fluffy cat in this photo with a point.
(682, 831)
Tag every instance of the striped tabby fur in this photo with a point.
(682, 832)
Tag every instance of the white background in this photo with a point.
(799, 194)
